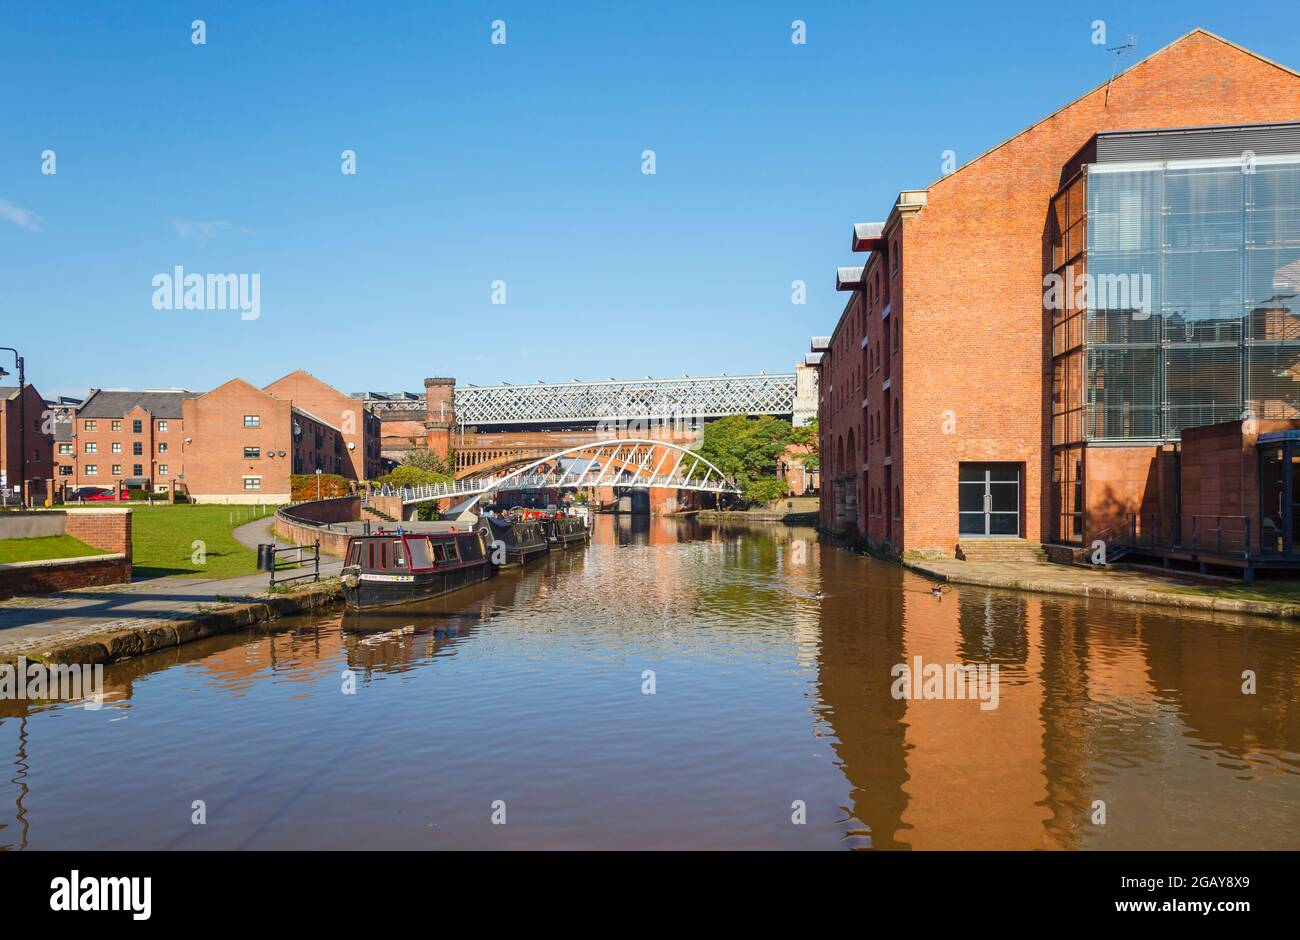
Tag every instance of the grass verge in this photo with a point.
(45, 548)
(190, 540)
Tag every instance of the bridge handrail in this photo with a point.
(713, 479)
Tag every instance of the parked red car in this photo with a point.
(91, 494)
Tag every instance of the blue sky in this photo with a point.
(478, 162)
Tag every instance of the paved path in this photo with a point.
(29, 623)
(1119, 584)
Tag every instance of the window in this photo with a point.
(92, 425)
(117, 447)
(117, 425)
(162, 470)
(252, 421)
(162, 447)
(252, 453)
(137, 449)
(65, 470)
(65, 449)
(92, 447)
(91, 469)
(896, 255)
(252, 483)
(137, 470)
(897, 403)
(162, 426)
(137, 427)
(160, 488)
(419, 552)
(117, 470)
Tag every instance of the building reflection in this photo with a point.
(862, 628)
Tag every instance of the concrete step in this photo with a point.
(376, 514)
(1000, 550)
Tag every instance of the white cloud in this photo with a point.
(25, 218)
(204, 230)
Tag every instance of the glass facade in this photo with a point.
(1189, 297)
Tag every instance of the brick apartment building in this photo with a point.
(956, 406)
(131, 438)
(26, 441)
(243, 443)
(360, 427)
(236, 443)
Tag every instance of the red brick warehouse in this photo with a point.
(954, 405)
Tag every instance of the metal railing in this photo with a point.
(1229, 536)
(276, 559)
(628, 462)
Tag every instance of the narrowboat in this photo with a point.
(397, 566)
(520, 540)
(565, 530)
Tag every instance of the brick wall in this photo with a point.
(44, 577)
(333, 407)
(215, 467)
(1221, 476)
(38, 461)
(970, 302)
(109, 529)
(302, 524)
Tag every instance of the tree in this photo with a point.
(765, 490)
(810, 434)
(748, 449)
(407, 475)
(421, 458)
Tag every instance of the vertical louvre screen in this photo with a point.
(1193, 313)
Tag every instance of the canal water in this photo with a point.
(678, 684)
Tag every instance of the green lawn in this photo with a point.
(47, 547)
(163, 537)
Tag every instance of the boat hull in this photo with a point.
(517, 542)
(388, 590)
(568, 532)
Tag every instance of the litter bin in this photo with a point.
(265, 557)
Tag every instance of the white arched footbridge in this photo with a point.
(635, 463)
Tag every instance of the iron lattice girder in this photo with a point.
(635, 462)
(633, 399)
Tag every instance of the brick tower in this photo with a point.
(440, 413)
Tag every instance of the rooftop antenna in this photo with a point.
(1119, 51)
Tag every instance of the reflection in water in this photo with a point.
(398, 728)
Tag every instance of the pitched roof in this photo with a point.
(115, 404)
(8, 392)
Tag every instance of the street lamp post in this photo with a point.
(318, 482)
(22, 422)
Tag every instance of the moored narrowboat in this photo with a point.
(517, 541)
(565, 530)
(397, 566)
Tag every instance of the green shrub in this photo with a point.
(407, 475)
(764, 490)
(303, 486)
